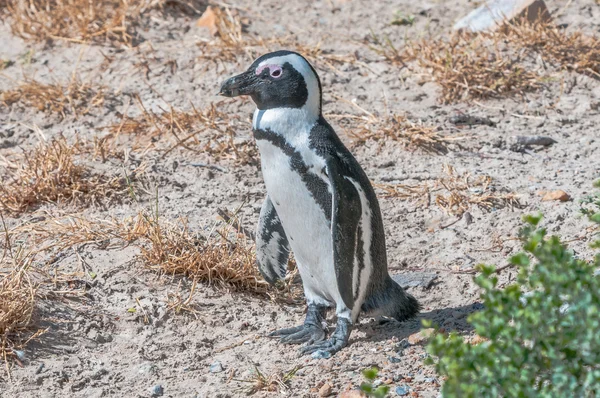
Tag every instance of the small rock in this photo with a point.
(394, 359)
(429, 380)
(39, 368)
(20, 354)
(325, 390)
(157, 391)
(216, 367)
(320, 354)
(402, 390)
(559, 195)
(351, 394)
(146, 367)
(421, 336)
(73, 362)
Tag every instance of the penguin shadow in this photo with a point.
(451, 319)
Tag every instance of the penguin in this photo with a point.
(320, 205)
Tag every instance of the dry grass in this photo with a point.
(574, 51)
(73, 97)
(275, 382)
(502, 63)
(208, 131)
(454, 193)
(474, 67)
(52, 173)
(25, 285)
(222, 258)
(18, 296)
(75, 20)
(462, 191)
(415, 136)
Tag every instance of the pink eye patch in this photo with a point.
(274, 70)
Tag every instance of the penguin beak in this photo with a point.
(243, 84)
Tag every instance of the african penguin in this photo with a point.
(320, 205)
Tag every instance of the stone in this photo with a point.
(216, 367)
(325, 390)
(421, 336)
(351, 394)
(558, 195)
(493, 13)
(415, 279)
(402, 390)
(157, 391)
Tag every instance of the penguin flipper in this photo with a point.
(345, 219)
(272, 247)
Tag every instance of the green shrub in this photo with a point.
(369, 389)
(543, 332)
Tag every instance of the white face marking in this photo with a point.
(367, 235)
(288, 121)
(313, 102)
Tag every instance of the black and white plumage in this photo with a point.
(320, 205)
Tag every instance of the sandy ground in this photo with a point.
(98, 349)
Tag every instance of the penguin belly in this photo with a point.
(305, 224)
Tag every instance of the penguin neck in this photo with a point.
(287, 122)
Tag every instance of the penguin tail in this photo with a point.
(392, 301)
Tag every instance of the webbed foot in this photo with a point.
(311, 332)
(337, 341)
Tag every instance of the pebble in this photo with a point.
(402, 390)
(320, 354)
(216, 367)
(559, 195)
(421, 336)
(20, 354)
(395, 359)
(325, 390)
(351, 394)
(157, 391)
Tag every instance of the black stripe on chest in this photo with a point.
(317, 188)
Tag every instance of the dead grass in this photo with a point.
(454, 193)
(207, 131)
(18, 296)
(499, 64)
(574, 51)
(473, 67)
(275, 382)
(52, 173)
(222, 257)
(413, 135)
(73, 97)
(78, 21)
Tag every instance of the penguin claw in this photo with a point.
(332, 346)
(338, 340)
(286, 332)
(301, 334)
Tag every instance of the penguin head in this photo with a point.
(281, 79)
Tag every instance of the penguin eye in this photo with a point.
(275, 72)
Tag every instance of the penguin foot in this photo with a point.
(302, 334)
(338, 340)
(311, 332)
